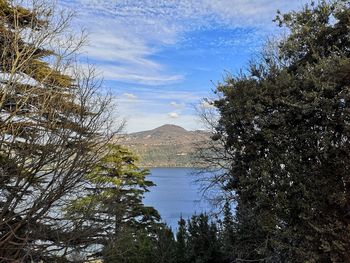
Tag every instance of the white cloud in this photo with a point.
(206, 105)
(130, 74)
(177, 105)
(127, 39)
(125, 35)
(157, 13)
(173, 115)
(151, 109)
(249, 13)
(123, 48)
(176, 99)
(129, 96)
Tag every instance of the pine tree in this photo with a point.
(165, 245)
(228, 234)
(152, 245)
(112, 202)
(181, 242)
(203, 244)
(50, 130)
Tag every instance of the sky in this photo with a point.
(160, 58)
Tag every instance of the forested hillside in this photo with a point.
(165, 146)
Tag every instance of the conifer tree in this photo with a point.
(228, 234)
(181, 242)
(152, 245)
(112, 201)
(52, 128)
(203, 244)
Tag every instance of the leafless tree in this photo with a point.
(213, 158)
(54, 124)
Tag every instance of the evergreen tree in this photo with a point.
(203, 244)
(132, 246)
(165, 245)
(228, 234)
(112, 202)
(153, 245)
(181, 242)
(285, 129)
(52, 128)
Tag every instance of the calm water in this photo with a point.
(176, 194)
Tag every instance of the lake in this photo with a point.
(176, 194)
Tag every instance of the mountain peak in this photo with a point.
(166, 146)
(170, 127)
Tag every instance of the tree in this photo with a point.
(111, 204)
(283, 129)
(203, 245)
(165, 245)
(181, 242)
(153, 245)
(228, 235)
(53, 126)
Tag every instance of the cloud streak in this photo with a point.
(151, 51)
(125, 35)
(129, 96)
(177, 105)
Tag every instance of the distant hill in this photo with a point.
(165, 146)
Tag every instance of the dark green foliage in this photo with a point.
(286, 126)
(199, 241)
(228, 234)
(155, 244)
(111, 206)
(203, 243)
(181, 242)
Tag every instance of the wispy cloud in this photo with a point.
(130, 74)
(244, 13)
(123, 47)
(177, 105)
(157, 47)
(129, 96)
(201, 13)
(125, 35)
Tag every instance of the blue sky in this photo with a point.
(160, 58)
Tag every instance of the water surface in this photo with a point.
(176, 194)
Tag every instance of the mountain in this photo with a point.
(165, 146)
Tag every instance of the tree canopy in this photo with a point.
(110, 208)
(53, 126)
(284, 130)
